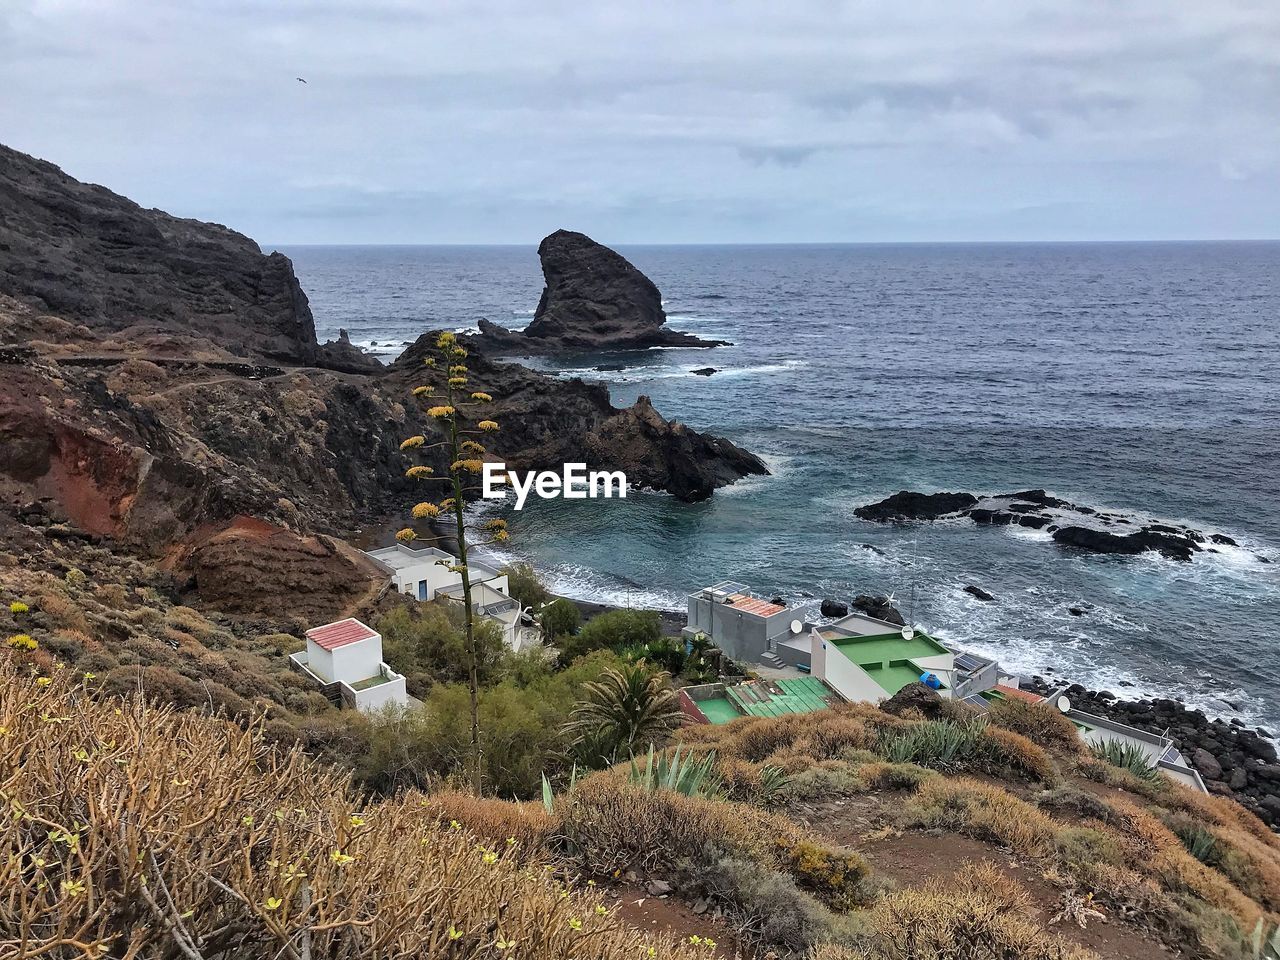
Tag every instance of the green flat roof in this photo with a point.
(719, 710)
(798, 695)
(893, 677)
(887, 647)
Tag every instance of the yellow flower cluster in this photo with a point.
(446, 339)
(18, 607)
(481, 397)
(488, 426)
(470, 446)
(423, 511)
(22, 641)
(418, 473)
(496, 525)
(412, 442)
(474, 466)
(456, 369)
(446, 503)
(407, 535)
(441, 412)
(457, 381)
(421, 391)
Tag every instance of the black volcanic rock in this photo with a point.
(976, 591)
(908, 505)
(594, 299)
(880, 608)
(1068, 524)
(834, 608)
(92, 257)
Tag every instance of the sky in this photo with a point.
(440, 121)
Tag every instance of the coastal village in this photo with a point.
(233, 724)
(787, 664)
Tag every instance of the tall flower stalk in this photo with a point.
(448, 403)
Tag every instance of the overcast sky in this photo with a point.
(688, 121)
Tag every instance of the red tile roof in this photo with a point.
(761, 608)
(339, 634)
(1017, 694)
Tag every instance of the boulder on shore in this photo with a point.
(908, 505)
(834, 608)
(880, 608)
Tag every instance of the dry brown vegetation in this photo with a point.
(130, 830)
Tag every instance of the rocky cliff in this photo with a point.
(594, 299)
(161, 379)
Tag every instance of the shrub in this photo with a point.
(1038, 722)
(1004, 748)
(560, 618)
(528, 824)
(1127, 756)
(880, 775)
(427, 644)
(938, 743)
(202, 836)
(525, 585)
(769, 909)
(979, 914)
(614, 630)
(984, 811)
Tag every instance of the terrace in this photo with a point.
(720, 703)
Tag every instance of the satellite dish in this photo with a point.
(1064, 704)
(796, 626)
(908, 633)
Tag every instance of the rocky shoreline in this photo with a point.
(1234, 759)
(1068, 524)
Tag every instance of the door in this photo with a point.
(422, 589)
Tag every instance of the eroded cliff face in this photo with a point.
(133, 277)
(162, 383)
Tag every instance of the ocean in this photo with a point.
(1143, 377)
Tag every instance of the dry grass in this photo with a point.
(1018, 753)
(617, 826)
(985, 811)
(138, 831)
(1039, 723)
(525, 826)
(979, 914)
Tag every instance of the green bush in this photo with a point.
(427, 644)
(525, 585)
(614, 630)
(560, 618)
(1127, 756)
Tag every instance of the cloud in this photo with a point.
(817, 119)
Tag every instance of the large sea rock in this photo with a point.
(594, 299)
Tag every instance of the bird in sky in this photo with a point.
(299, 79)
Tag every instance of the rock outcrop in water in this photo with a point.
(1069, 524)
(594, 299)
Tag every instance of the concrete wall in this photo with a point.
(320, 661)
(984, 679)
(349, 663)
(844, 676)
(376, 698)
(740, 635)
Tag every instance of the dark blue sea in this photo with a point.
(1143, 377)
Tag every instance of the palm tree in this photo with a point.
(628, 707)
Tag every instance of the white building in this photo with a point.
(423, 572)
(518, 628)
(346, 657)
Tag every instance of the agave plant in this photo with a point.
(1127, 756)
(690, 774)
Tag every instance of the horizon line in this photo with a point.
(770, 243)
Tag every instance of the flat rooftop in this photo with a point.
(398, 556)
(762, 698)
(886, 648)
(730, 593)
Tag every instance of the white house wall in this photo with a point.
(375, 698)
(320, 661)
(353, 662)
(846, 677)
